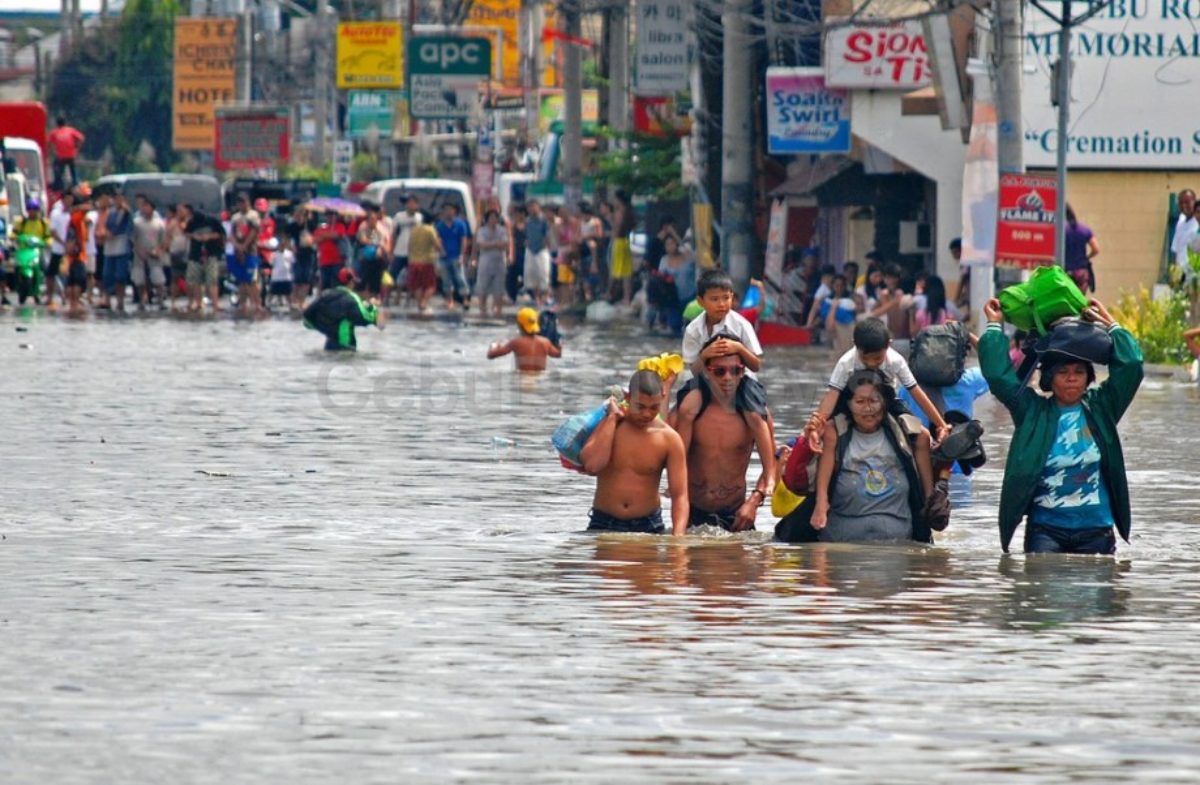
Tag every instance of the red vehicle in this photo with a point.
(28, 120)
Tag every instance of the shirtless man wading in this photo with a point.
(718, 443)
(628, 452)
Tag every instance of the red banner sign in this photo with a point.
(251, 138)
(657, 116)
(1025, 225)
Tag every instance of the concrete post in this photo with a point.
(737, 144)
(1009, 45)
(321, 82)
(572, 149)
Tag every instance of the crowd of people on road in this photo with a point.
(101, 247)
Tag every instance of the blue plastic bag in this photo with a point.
(570, 437)
(752, 298)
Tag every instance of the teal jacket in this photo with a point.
(1036, 420)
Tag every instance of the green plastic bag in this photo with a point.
(1048, 295)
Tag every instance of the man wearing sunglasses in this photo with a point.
(719, 440)
(627, 453)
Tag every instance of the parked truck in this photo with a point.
(23, 124)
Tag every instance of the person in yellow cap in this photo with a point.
(529, 348)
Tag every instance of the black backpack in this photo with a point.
(938, 355)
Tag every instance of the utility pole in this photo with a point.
(737, 143)
(1061, 93)
(572, 148)
(64, 38)
(618, 68)
(245, 85)
(1009, 45)
(1064, 117)
(321, 82)
(529, 44)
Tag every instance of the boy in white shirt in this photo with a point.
(282, 264)
(872, 349)
(718, 332)
(714, 290)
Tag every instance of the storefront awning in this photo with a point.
(805, 177)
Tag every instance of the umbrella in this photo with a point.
(323, 204)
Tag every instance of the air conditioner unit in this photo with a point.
(915, 237)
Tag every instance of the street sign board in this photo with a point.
(251, 137)
(1025, 225)
(483, 175)
(662, 50)
(343, 154)
(370, 109)
(370, 54)
(877, 57)
(204, 69)
(803, 115)
(444, 73)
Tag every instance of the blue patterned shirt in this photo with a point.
(1071, 493)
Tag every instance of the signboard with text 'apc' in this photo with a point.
(444, 73)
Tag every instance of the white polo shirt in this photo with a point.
(894, 365)
(698, 333)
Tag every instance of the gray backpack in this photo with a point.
(938, 355)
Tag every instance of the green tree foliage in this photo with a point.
(116, 85)
(647, 166)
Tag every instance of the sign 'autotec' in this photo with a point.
(1134, 83)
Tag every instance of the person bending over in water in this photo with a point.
(627, 453)
(337, 311)
(529, 348)
(719, 438)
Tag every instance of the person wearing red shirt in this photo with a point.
(329, 255)
(65, 142)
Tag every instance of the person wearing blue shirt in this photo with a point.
(456, 243)
(958, 397)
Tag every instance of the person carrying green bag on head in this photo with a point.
(1065, 472)
(1049, 294)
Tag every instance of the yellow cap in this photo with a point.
(527, 318)
(664, 364)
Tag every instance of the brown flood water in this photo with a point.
(228, 558)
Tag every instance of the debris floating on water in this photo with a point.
(209, 473)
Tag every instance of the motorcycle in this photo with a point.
(27, 265)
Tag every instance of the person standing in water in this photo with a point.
(530, 348)
(1065, 472)
(627, 453)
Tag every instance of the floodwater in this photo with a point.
(228, 558)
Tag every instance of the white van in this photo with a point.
(511, 187)
(27, 156)
(431, 195)
(200, 191)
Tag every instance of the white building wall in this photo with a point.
(920, 143)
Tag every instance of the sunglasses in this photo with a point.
(720, 371)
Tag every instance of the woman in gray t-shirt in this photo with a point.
(869, 493)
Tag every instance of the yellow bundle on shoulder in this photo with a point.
(783, 501)
(665, 365)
